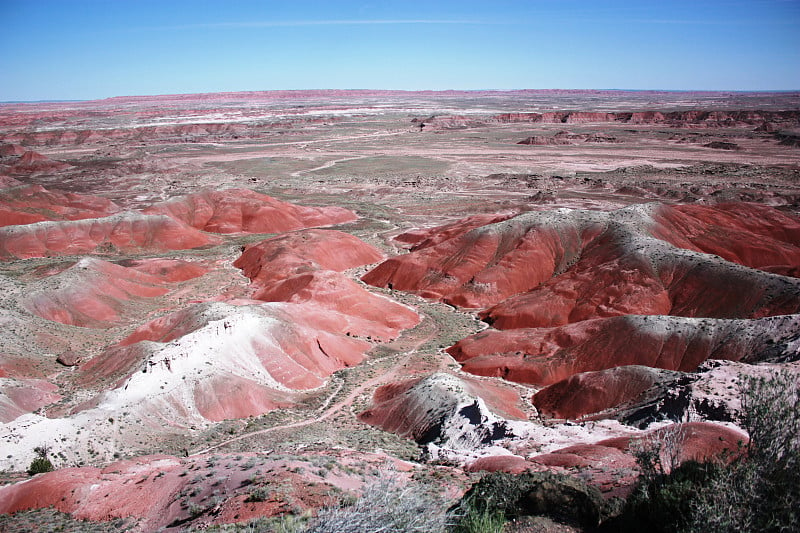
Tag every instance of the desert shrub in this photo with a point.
(475, 516)
(259, 494)
(387, 504)
(564, 498)
(760, 491)
(41, 463)
(662, 503)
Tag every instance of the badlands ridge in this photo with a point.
(205, 295)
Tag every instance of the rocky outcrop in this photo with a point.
(439, 409)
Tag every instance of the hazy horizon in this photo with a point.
(89, 49)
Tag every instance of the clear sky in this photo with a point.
(81, 49)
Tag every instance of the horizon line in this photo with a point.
(157, 95)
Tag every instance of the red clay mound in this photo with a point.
(7, 150)
(33, 163)
(305, 266)
(513, 464)
(592, 392)
(20, 396)
(545, 356)
(243, 210)
(124, 232)
(167, 270)
(748, 234)
(302, 251)
(213, 398)
(490, 263)
(92, 293)
(647, 277)
(695, 441)
(440, 408)
(381, 317)
(580, 265)
(33, 203)
(587, 456)
(223, 360)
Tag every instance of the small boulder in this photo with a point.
(69, 358)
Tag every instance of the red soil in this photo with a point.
(124, 232)
(146, 488)
(280, 257)
(243, 210)
(305, 266)
(299, 346)
(93, 293)
(544, 356)
(18, 397)
(697, 441)
(167, 270)
(748, 234)
(414, 407)
(613, 279)
(485, 265)
(593, 392)
(26, 204)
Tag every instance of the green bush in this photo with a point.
(564, 498)
(758, 491)
(475, 517)
(41, 463)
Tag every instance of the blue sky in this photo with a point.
(94, 49)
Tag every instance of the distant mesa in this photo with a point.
(567, 138)
(722, 145)
(696, 119)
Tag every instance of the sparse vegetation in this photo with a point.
(41, 463)
(386, 505)
(758, 491)
(500, 495)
